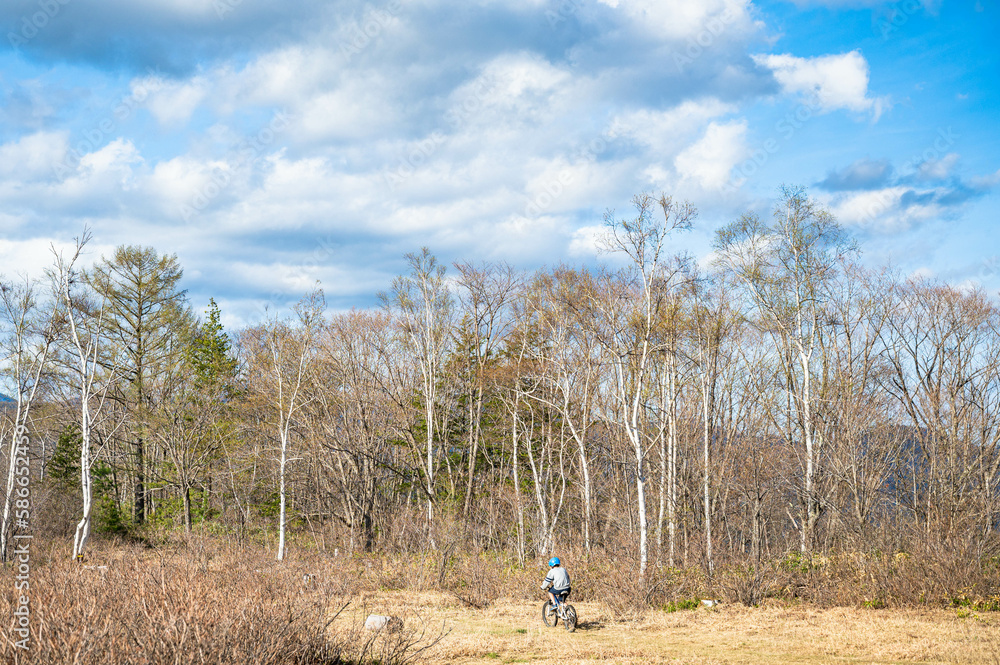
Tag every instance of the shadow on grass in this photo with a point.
(589, 625)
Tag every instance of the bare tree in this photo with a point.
(571, 364)
(422, 302)
(786, 268)
(356, 418)
(945, 359)
(26, 344)
(713, 321)
(484, 293)
(279, 361)
(81, 321)
(628, 313)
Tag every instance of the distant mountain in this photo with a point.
(4, 399)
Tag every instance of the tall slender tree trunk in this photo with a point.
(517, 487)
(139, 513)
(86, 485)
(474, 418)
(281, 492)
(672, 464)
(187, 508)
(429, 392)
(707, 434)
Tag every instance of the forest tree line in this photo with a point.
(783, 398)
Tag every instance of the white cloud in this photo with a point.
(585, 241)
(282, 77)
(987, 181)
(114, 164)
(666, 131)
(711, 158)
(681, 19)
(885, 211)
(937, 169)
(34, 155)
(31, 256)
(829, 82)
(173, 102)
(866, 208)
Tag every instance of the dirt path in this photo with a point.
(512, 632)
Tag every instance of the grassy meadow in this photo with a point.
(201, 600)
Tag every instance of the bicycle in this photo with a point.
(560, 610)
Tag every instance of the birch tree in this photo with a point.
(423, 305)
(572, 366)
(485, 293)
(630, 309)
(278, 355)
(26, 341)
(786, 268)
(713, 321)
(81, 321)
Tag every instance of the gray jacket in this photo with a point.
(558, 578)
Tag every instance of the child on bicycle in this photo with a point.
(557, 581)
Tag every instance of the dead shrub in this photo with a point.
(139, 608)
(746, 584)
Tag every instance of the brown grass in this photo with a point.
(202, 601)
(512, 631)
(194, 604)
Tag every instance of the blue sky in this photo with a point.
(270, 145)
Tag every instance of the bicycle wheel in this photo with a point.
(549, 615)
(570, 623)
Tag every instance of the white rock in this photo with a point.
(378, 622)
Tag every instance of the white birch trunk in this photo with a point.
(706, 432)
(18, 309)
(86, 483)
(282, 518)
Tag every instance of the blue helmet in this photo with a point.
(554, 561)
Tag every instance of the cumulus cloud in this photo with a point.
(680, 19)
(937, 169)
(873, 197)
(33, 155)
(173, 102)
(862, 174)
(666, 131)
(710, 159)
(830, 82)
(501, 130)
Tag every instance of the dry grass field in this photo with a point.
(199, 602)
(512, 632)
